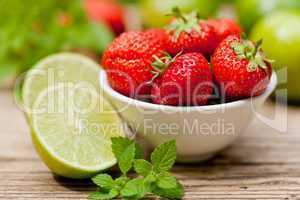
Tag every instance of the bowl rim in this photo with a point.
(138, 103)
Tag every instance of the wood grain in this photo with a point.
(262, 164)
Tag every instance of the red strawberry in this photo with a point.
(128, 61)
(224, 28)
(190, 34)
(107, 11)
(240, 68)
(187, 81)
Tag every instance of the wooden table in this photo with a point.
(262, 164)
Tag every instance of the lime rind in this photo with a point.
(72, 156)
(58, 152)
(55, 69)
(64, 168)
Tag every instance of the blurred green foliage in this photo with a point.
(250, 11)
(31, 29)
(129, 1)
(154, 11)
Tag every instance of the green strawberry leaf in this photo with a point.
(184, 23)
(104, 181)
(252, 66)
(103, 196)
(142, 167)
(252, 52)
(164, 156)
(260, 61)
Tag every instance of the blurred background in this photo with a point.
(30, 30)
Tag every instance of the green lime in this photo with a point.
(249, 11)
(281, 34)
(71, 129)
(58, 69)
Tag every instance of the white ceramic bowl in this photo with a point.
(200, 131)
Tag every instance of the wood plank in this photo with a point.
(262, 164)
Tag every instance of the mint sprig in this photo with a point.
(142, 167)
(164, 156)
(105, 181)
(151, 177)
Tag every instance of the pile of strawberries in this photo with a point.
(171, 66)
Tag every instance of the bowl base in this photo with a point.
(194, 158)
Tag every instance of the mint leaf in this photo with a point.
(173, 193)
(121, 181)
(136, 189)
(166, 182)
(103, 196)
(119, 145)
(139, 153)
(131, 188)
(150, 178)
(164, 156)
(156, 178)
(104, 181)
(142, 167)
(126, 158)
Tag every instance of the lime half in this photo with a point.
(58, 69)
(71, 129)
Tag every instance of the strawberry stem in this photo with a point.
(178, 14)
(184, 23)
(251, 51)
(161, 64)
(257, 46)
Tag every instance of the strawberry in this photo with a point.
(224, 28)
(185, 80)
(107, 11)
(240, 68)
(187, 33)
(128, 61)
